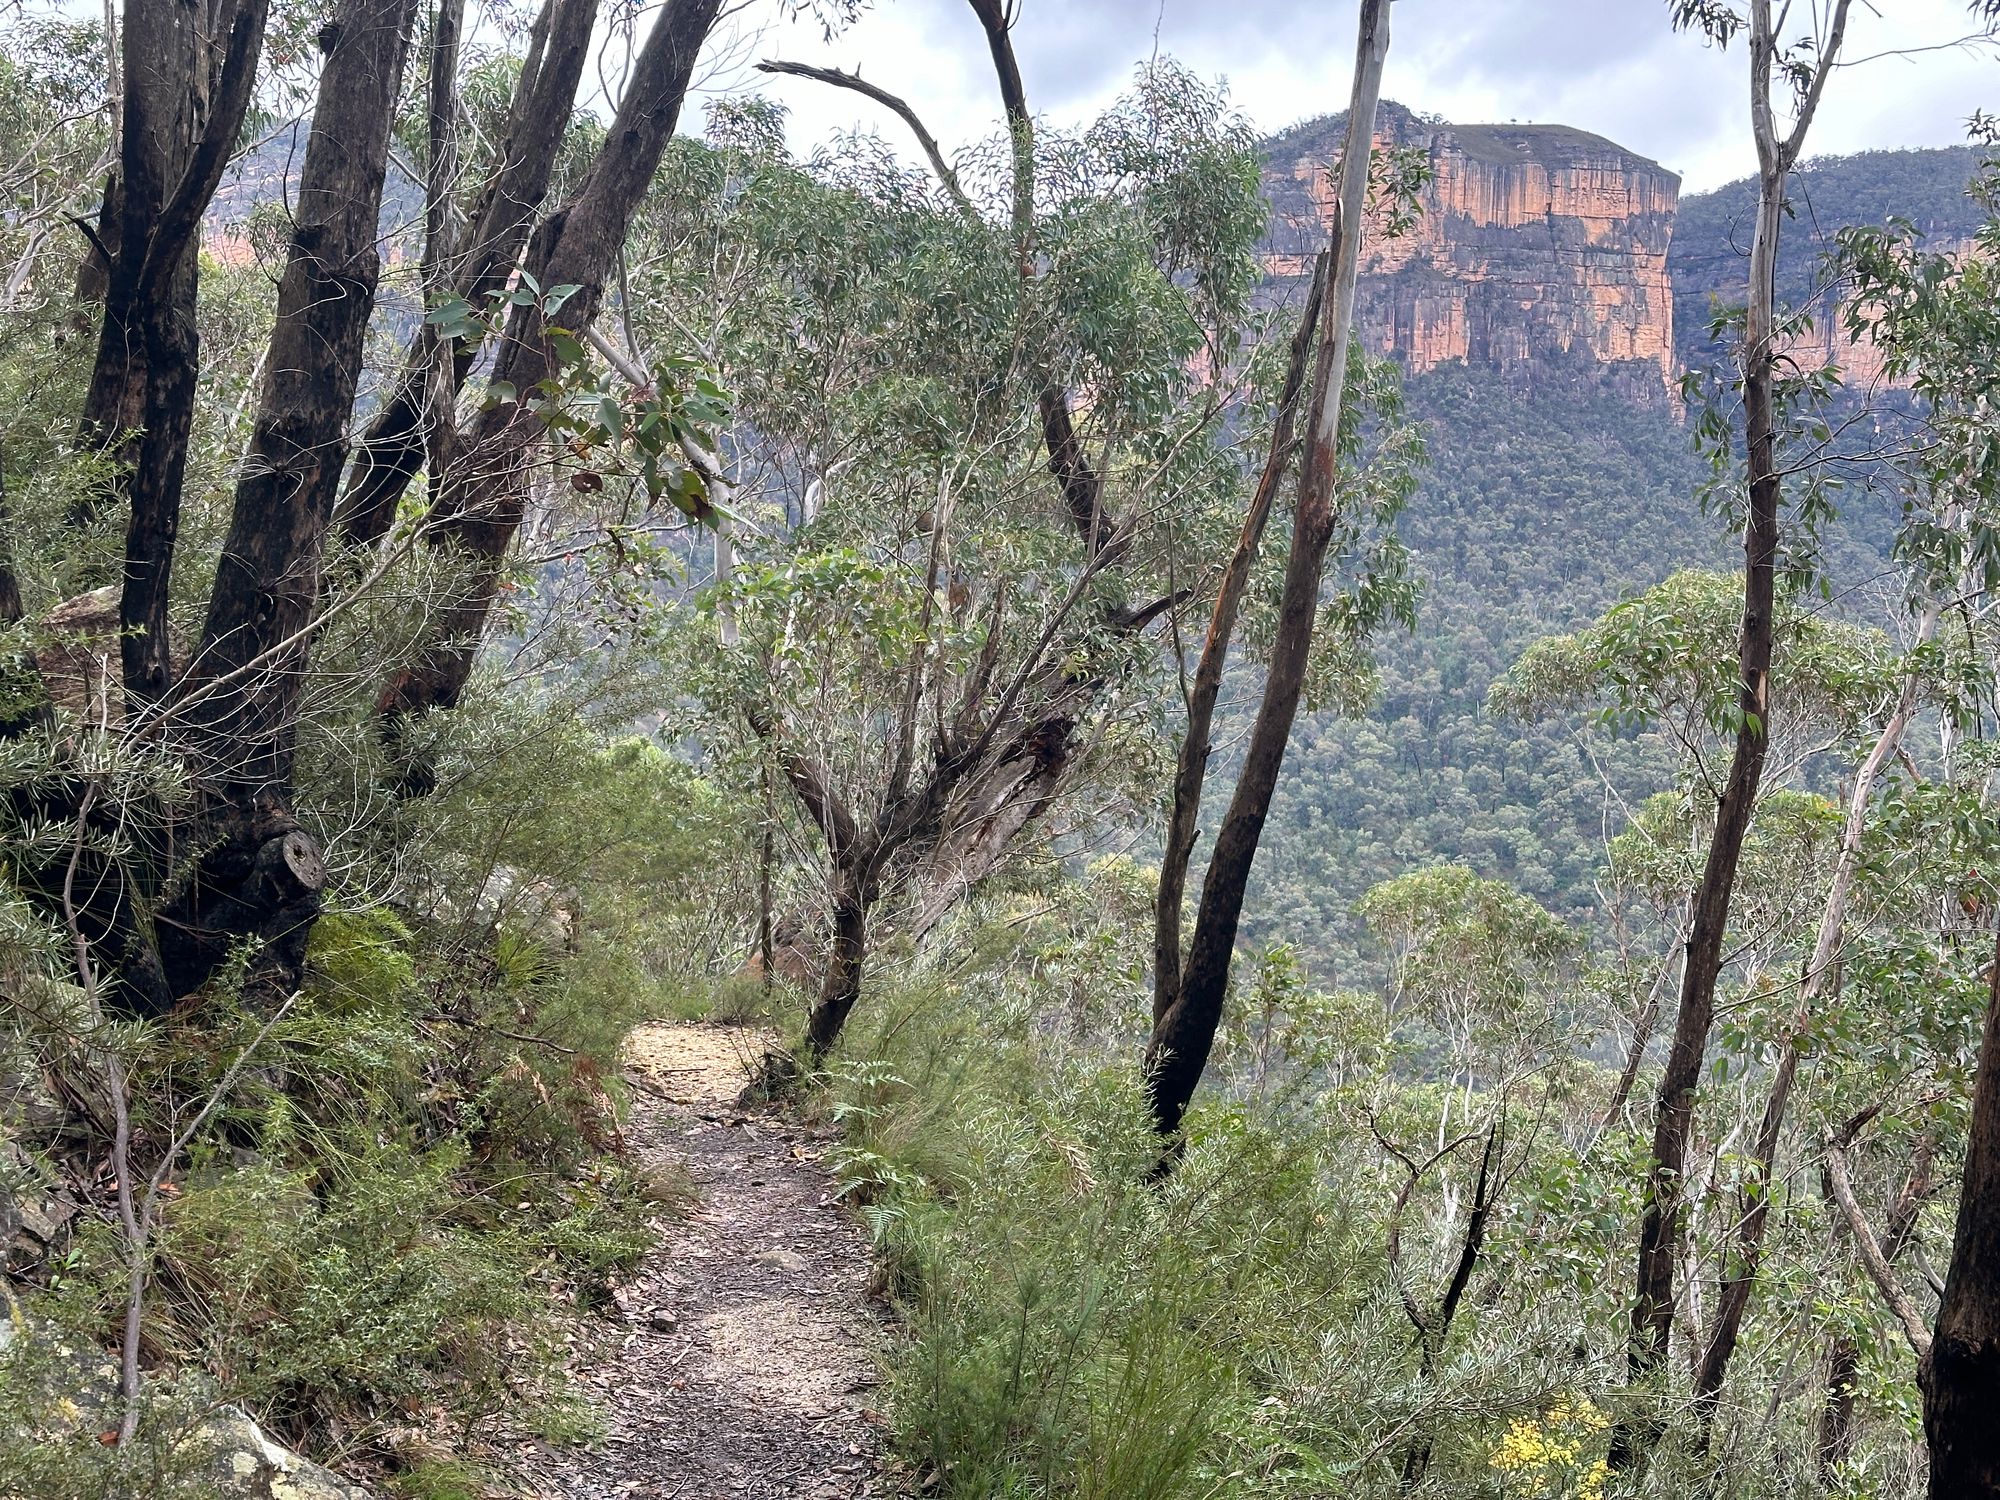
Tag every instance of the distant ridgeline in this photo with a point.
(1554, 257)
(1711, 249)
(1545, 304)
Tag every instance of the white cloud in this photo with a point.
(1609, 66)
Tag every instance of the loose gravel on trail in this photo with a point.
(740, 1362)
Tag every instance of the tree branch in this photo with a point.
(1841, 1185)
(854, 82)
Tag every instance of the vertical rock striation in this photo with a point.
(1541, 251)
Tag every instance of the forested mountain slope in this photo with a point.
(1539, 510)
(1709, 259)
(501, 563)
(1552, 495)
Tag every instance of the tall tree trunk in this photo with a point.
(484, 500)
(1653, 1305)
(1821, 971)
(183, 76)
(1960, 1376)
(189, 71)
(1191, 768)
(1177, 1051)
(402, 435)
(186, 74)
(259, 874)
(1652, 1315)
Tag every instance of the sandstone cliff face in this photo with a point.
(1709, 263)
(1541, 251)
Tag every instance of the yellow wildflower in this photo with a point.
(1543, 1459)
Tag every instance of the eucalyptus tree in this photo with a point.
(229, 860)
(1661, 661)
(165, 882)
(480, 496)
(416, 418)
(933, 621)
(1803, 71)
(56, 147)
(1933, 312)
(1480, 977)
(1190, 989)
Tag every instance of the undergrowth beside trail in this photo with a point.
(1072, 1332)
(373, 1243)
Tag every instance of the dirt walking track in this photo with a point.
(741, 1360)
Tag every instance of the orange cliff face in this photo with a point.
(1828, 338)
(1540, 251)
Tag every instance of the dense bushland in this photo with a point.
(642, 574)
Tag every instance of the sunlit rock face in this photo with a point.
(1540, 251)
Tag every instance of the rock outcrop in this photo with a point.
(1541, 251)
(1710, 260)
(64, 1395)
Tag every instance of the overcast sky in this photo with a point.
(1609, 66)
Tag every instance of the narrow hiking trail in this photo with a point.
(740, 1360)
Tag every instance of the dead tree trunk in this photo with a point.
(259, 874)
(1183, 1032)
(1960, 1376)
(1652, 1315)
(484, 498)
(1435, 1327)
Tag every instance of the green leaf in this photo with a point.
(455, 310)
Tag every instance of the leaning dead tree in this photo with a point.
(1190, 989)
(1652, 1315)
